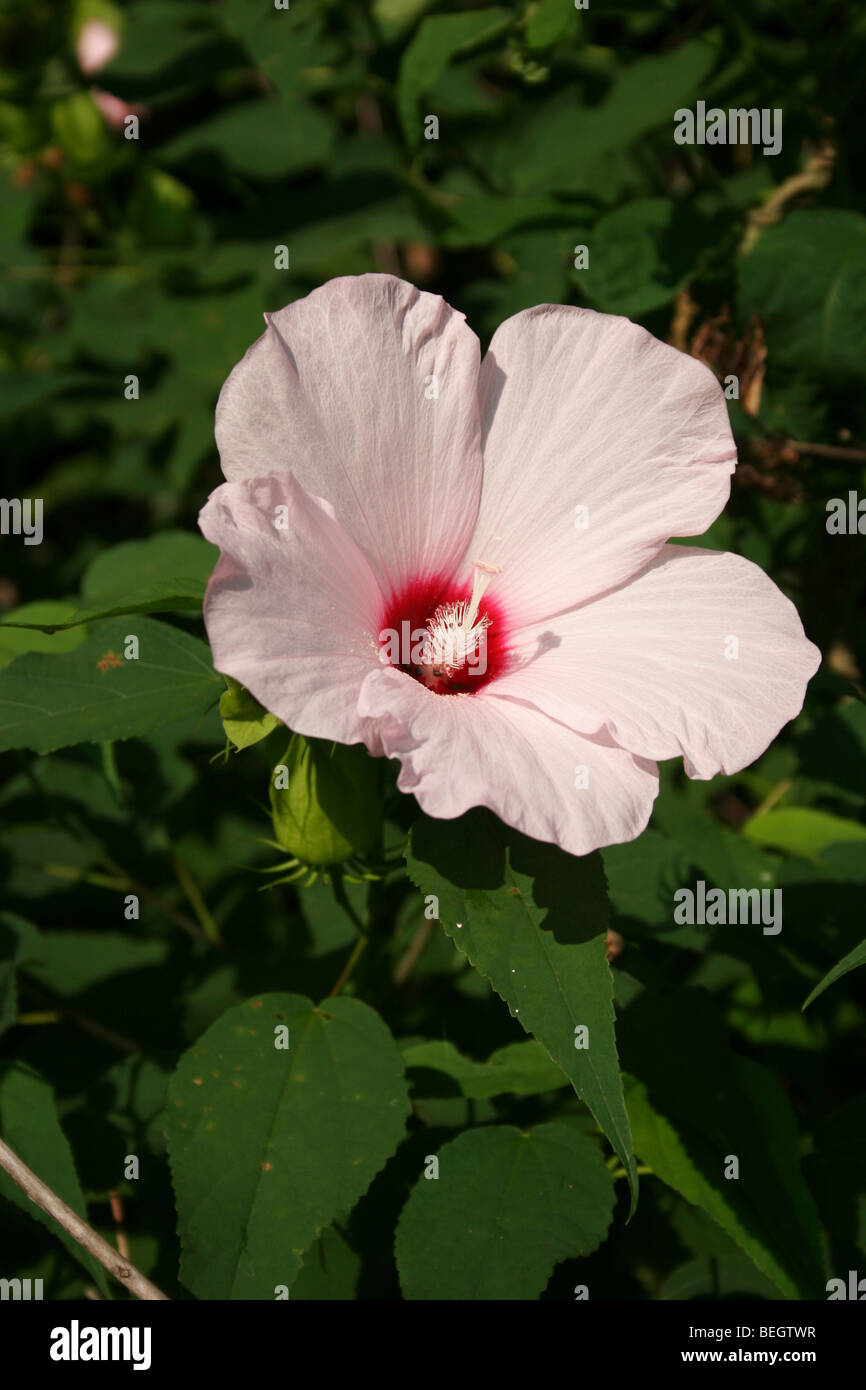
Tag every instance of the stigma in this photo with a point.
(456, 635)
(444, 635)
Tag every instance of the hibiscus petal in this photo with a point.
(700, 656)
(460, 751)
(586, 410)
(291, 613)
(367, 390)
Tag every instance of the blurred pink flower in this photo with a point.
(510, 516)
(114, 109)
(95, 46)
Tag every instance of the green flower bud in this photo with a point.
(326, 801)
(162, 209)
(79, 129)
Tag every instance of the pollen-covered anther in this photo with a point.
(453, 640)
(456, 635)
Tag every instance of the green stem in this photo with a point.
(95, 880)
(360, 945)
(340, 894)
(109, 769)
(780, 789)
(357, 951)
(196, 901)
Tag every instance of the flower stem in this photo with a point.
(360, 945)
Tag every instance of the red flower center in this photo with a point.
(430, 630)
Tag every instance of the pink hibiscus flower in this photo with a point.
(464, 565)
(96, 44)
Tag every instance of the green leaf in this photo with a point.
(8, 985)
(506, 1207)
(329, 926)
(834, 749)
(244, 720)
(330, 1271)
(479, 220)
(63, 778)
(29, 1125)
(806, 279)
(270, 1145)
(263, 139)
(32, 847)
(800, 830)
(156, 36)
(167, 573)
(94, 693)
(719, 1276)
(568, 146)
(285, 44)
(641, 255)
(322, 243)
(694, 1105)
(38, 627)
(26, 390)
(726, 858)
(536, 261)
(533, 920)
(837, 1175)
(17, 940)
(131, 1096)
(642, 877)
(842, 967)
(550, 22)
(439, 39)
(393, 17)
(841, 863)
(523, 1069)
(67, 961)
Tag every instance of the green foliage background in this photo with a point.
(156, 257)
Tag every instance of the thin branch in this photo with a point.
(89, 1025)
(38, 1191)
(197, 902)
(122, 882)
(828, 451)
(816, 174)
(772, 797)
(413, 953)
(116, 1202)
(135, 885)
